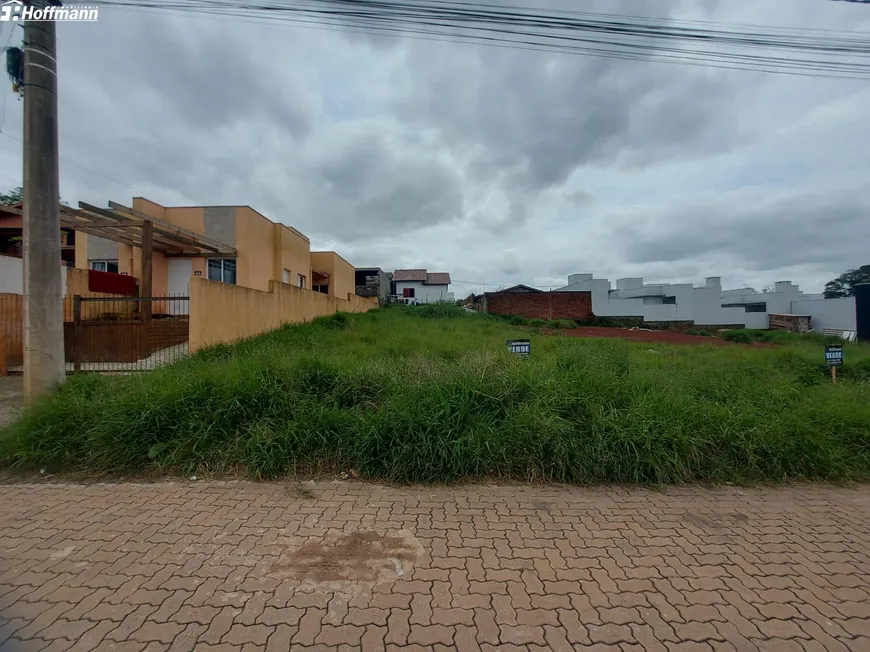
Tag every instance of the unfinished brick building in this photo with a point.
(532, 303)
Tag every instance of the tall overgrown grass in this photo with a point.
(432, 395)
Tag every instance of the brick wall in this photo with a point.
(541, 305)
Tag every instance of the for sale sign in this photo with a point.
(520, 347)
(834, 356)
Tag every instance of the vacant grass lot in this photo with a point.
(431, 395)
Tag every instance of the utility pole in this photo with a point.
(44, 366)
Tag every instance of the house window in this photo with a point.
(105, 266)
(222, 270)
(323, 289)
(408, 293)
(301, 281)
(285, 278)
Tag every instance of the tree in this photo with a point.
(844, 284)
(12, 197)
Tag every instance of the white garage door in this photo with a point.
(179, 271)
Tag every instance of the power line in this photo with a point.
(81, 167)
(808, 52)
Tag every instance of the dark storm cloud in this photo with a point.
(764, 229)
(491, 163)
(200, 77)
(541, 116)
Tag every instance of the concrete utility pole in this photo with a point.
(44, 366)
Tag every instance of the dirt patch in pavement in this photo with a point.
(341, 560)
(666, 337)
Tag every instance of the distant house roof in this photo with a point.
(516, 289)
(421, 275)
(437, 278)
(409, 275)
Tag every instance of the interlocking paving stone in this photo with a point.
(240, 566)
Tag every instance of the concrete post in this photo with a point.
(44, 366)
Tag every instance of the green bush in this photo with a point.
(562, 323)
(538, 323)
(337, 320)
(699, 331)
(780, 337)
(437, 310)
(516, 320)
(408, 399)
(617, 322)
(740, 336)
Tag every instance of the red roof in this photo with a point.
(437, 278)
(409, 275)
(427, 278)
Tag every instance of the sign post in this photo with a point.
(834, 358)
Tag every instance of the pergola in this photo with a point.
(127, 226)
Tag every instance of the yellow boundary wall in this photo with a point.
(226, 313)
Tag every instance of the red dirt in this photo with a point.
(668, 337)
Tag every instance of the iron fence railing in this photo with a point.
(105, 334)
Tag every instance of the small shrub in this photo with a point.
(336, 321)
(516, 320)
(618, 322)
(738, 336)
(699, 331)
(438, 310)
(538, 323)
(561, 323)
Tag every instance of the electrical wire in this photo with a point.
(80, 166)
(801, 51)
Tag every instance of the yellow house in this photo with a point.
(332, 274)
(266, 251)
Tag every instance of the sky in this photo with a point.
(498, 165)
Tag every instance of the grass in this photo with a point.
(748, 335)
(431, 394)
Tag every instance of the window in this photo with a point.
(408, 293)
(301, 281)
(222, 270)
(105, 266)
(323, 289)
(286, 277)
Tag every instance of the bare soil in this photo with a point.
(667, 337)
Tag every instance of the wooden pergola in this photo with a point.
(127, 226)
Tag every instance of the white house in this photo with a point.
(709, 305)
(12, 276)
(420, 286)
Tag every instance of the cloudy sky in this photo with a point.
(497, 165)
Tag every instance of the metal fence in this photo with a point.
(105, 334)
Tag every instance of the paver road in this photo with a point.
(354, 566)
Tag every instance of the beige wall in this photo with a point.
(293, 253)
(193, 219)
(254, 242)
(77, 283)
(341, 272)
(81, 250)
(254, 312)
